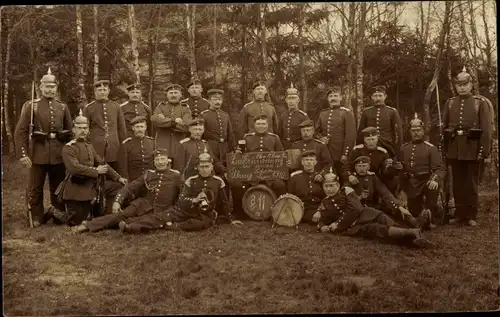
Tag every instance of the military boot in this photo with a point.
(81, 228)
(412, 235)
(424, 220)
(124, 227)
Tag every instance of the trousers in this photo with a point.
(39, 172)
(465, 176)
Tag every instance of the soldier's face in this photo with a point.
(196, 131)
(307, 133)
(417, 133)
(362, 168)
(332, 188)
(48, 90)
(261, 126)
(205, 169)
(81, 131)
(379, 98)
(135, 95)
(371, 142)
(101, 93)
(174, 96)
(139, 129)
(334, 98)
(216, 101)
(260, 92)
(161, 162)
(195, 90)
(463, 89)
(292, 102)
(309, 163)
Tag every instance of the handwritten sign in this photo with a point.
(257, 166)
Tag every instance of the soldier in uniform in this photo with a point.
(467, 133)
(156, 191)
(308, 142)
(51, 129)
(170, 120)
(107, 124)
(218, 128)
(84, 165)
(201, 201)
(422, 171)
(135, 107)
(136, 152)
(259, 106)
(196, 102)
(336, 128)
(289, 129)
(341, 211)
(386, 119)
(307, 184)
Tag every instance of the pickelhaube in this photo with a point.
(416, 122)
(81, 119)
(205, 157)
(48, 78)
(292, 91)
(330, 177)
(463, 77)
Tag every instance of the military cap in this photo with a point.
(196, 121)
(416, 122)
(292, 91)
(205, 157)
(194, 81)
(463, 77)
(101, 83)
(48, 78)
(138, 119)
(215, 92)
(330, 177)
(308, 153)
(173, 87)
(161, 152)
(334, 90)
(362, 159)
(379, 88)
(134, 86)
(259, 83)
(260, 117)
(81, 119)
(369, 131)
(306, 123)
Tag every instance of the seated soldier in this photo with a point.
(380, 164)
(342, 212)
(203, 194)
(308, 142)
(78, 190)
(375, 194)
(157, 190)
(306, 184)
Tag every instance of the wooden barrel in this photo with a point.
(257, 202)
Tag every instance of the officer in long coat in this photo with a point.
(259, 106)
(467, 132)
(51, 130)
(289, 122)
(170, 120)
(308, 142)
(107, 124)
(136, 152)
(386, 119)
(336, 128)
(195, 101)
(135, 107)
(218, 128)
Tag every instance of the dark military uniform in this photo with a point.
(132, 109)
(136, 157)
(187, 153)
(262, 142)
(168, 132)
(218, 133)
(49, 116)
(197, 105)
(289, 129)
(322, 153)
(253, 109)
(302, 185)
(377, 162)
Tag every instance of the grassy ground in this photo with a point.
(251, 269)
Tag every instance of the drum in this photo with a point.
(293, 161)
(287, 210)
(257, 202)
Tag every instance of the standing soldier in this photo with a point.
(196, 102)
(336, 128)
(107, 124)
(136, 152)
(136, 107)
(386, 119)
(467, 133)
(218, 129)
(308, 143)
(170, 120)
(258, 107)
(51, 122)
(289, 129)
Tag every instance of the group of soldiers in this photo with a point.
(351, 179)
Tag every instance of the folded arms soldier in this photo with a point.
(135, 107)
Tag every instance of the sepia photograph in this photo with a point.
(249, 158)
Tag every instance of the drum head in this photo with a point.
(288, 210)
(257, 202)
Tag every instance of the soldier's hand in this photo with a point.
(324, 139)
(178, 120)
(116, 207)
(404, 211)
(343, 159)
(123, 181)
(161, 116)
(353, 179)
(318, 178)
(316, 216)
(102, 169)
(26, 161)
(236, 223)
(333, 227)
(433, 185)
(324, 229)
(398, 165)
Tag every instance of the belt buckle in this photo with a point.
(221, 140)
(52, 136)
(460, 132)
(288, 139)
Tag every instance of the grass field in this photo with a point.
(249, 269)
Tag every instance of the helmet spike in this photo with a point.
(291, 85)
(49, 72)
(81, 112)
(415, 116)
(464, 69)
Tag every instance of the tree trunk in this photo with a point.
(5, 104)
(302, 71)
(263, 40)
(244, 58)
(95, 37)
(350, 50)
(488, 51)
(448, 64)
(359, 65)
(214, 38)
(432, 85)
(81, 73)
(133, 38)
(154, 60)
(191, 26)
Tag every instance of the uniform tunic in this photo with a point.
(218, 133)
(253, 109)
(169, 133)
(322, 152)
(132, 109)
(107, 128)
(377, 161)
(262, 142)
(302, 185)
(289, 130)
(186, 158)
(197, 105)
(136, 157)
(339, 126)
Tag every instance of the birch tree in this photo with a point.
(360, 39)
(133, 39)
(191, 28)
(302, 75)
(81, 71)
(351, 26)
(95, 37)
(214, 42)
(5, 104)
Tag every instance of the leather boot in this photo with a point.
(424, 219)
(414, 235)
(124, 227)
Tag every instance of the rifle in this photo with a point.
(442, 148)
(99, 206)
(31, 128)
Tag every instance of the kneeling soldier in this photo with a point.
(84, 166)
(162, 187)
(342, 212)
